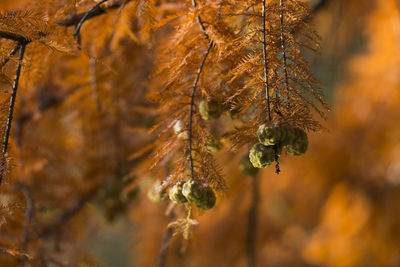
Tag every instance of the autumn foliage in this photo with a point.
(199, 133)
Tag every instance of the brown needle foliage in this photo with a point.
(101, 99)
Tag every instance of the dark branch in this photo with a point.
(283, 46)
(12, 53)
(11, 110)
(199, 20)
(196, 81)
(210, 44)
(14, 37)
(75, 18)
(265, 59)
(85, 16)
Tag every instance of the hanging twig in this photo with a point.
(252, 223)
(85, 17)
(167, 237)
(210, 44)
(11, 110)
(283, 45)
(265, 59)
(13, 52)
(199, 20)
(192, 107)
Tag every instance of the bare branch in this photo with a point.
(266, 63)
(14, 37)
(85, 16)
(11, 110)
(12, 53)
(75, 18)
(196, 81)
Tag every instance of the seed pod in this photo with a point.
(272, 135)
(175, 193)
(199, 193)
(297, 143)
(156, 193)
(210, 110)
(246, 167)
(212, 144)
(261, 156)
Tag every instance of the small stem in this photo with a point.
(13, 52)
(11, 109)
(164, 246)
(199, 20)
(277, 169)
(252, 223)
(78, 27)
(265, 62)
(192, 107)
(283, 46)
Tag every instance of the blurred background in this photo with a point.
(338, 205)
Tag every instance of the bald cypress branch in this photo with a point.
(11, 110)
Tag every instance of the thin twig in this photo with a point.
(78, 27)
(11, 110)
(210, 44)
(199, 20)
(75, 18)
(266, 63)
(12, 53)
(252, 223)
(192, 107)
(167, 237)
(283, 45)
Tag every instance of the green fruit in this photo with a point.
(199, 193)
(175, 193)
(246, 167)
(212, 144)
(272, 135)
(297, 142)
(210, 110)
(156, 192)
(262, 156)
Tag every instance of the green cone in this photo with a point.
(175, 193)
(210, 110)
(272, 135)
(262, 156)
(200, 194)
(297, 142)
